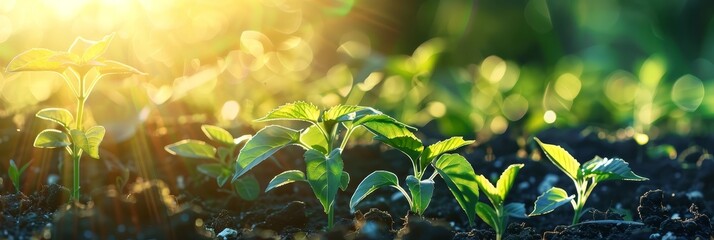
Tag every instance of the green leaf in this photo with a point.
(89, 141)
(265, 143)
(213, 169)
(247, 187)
(340, 111)
(110, 67)
(58, 115)
(190, 148)
(97, 48)
(14, 175)
(491, 191)
(313, 138)
(223, 153)
(517, 210)
(396, 136)
(344, 180)
(36, 59)
(301, 111)
(488, 215)
(218, 134)
(436, 149)
(603, 169)
(223, 179)
(561, 158)
(51, 138)
(460, 177)
(550, 200)
(284, 178)
(421, 192)
(371, 183)
(505, 181)
(324, 175)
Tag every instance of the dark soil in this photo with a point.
(676, 203)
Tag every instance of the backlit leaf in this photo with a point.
(396, 136)
(603, 169)
(561, 158)
(36, 59)
(97, 48)
(339, 112)
(58, 115)
(488, 215)
(324, 174)
(192, 149)
(550, 200)
(262, 145)
(51, 138)
(371, 183)
(344, 181)
(436, 149)
(218, 134)
(285, 178)
(301, 111)
(421, 191)
(460, 177)
(491, 191)
(89, 141)
(313, 138)
(505, 182)
(109, 67)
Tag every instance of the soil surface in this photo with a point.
(676, 203)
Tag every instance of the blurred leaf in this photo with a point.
(36, 59)
(247, 187)
(97, 48)
(218, 134)
(344, 180)
(517, 210)
(190, 148)
(51, 138)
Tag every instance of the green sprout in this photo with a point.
(14, 173)
(323, 139)
(585, 177)
(222, 164)
(458, 174)
(497, 214)
(81, 67)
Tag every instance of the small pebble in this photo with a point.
(228, 233)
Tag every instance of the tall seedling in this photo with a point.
(585, 177)
(81, 67)
(453, 168)
(323, 139)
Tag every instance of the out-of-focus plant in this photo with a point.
(15, 173)
(323, 141)
(81, 67)
(458, 174)
(497, 214)
(222, 165)
(585, 177)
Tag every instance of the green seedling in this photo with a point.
(81, 67)
(14, 173)
(453, 168)
(221, 164)
(585, 177)
(497, 214)
(323, 139)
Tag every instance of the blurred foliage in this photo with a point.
(471, 67)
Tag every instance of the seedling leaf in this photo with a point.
(51, 138)
(339, 112)
(189, 148)
(441, 147)
(36, 59)
(505, 181)
(96, 49)
(324, 174)
(372, 182)
(460, 177)
(517, 210)
(491, 191)
(218, 134)
(550, 200)
(89, 141)
(487, 214)
(421, 192)
(58, 115)
(110, 67)
(313, 138)
(396, 136)
(285, 178)
(603, 169)
(212, 169)
(14, 175)
(344, 180)
(262, 145)
(301, 111)
(561, 158)
(247, 187)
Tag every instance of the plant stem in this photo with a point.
(330, 218)
(76, 151)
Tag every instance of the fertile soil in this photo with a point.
(676, 203)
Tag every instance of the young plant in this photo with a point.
(497, 214)
(221, 163)
(585, 177)
(458, 174)
(81, 67)
(14, 173)
(323, 139)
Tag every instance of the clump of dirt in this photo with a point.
(656, 210)
(22, 216)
